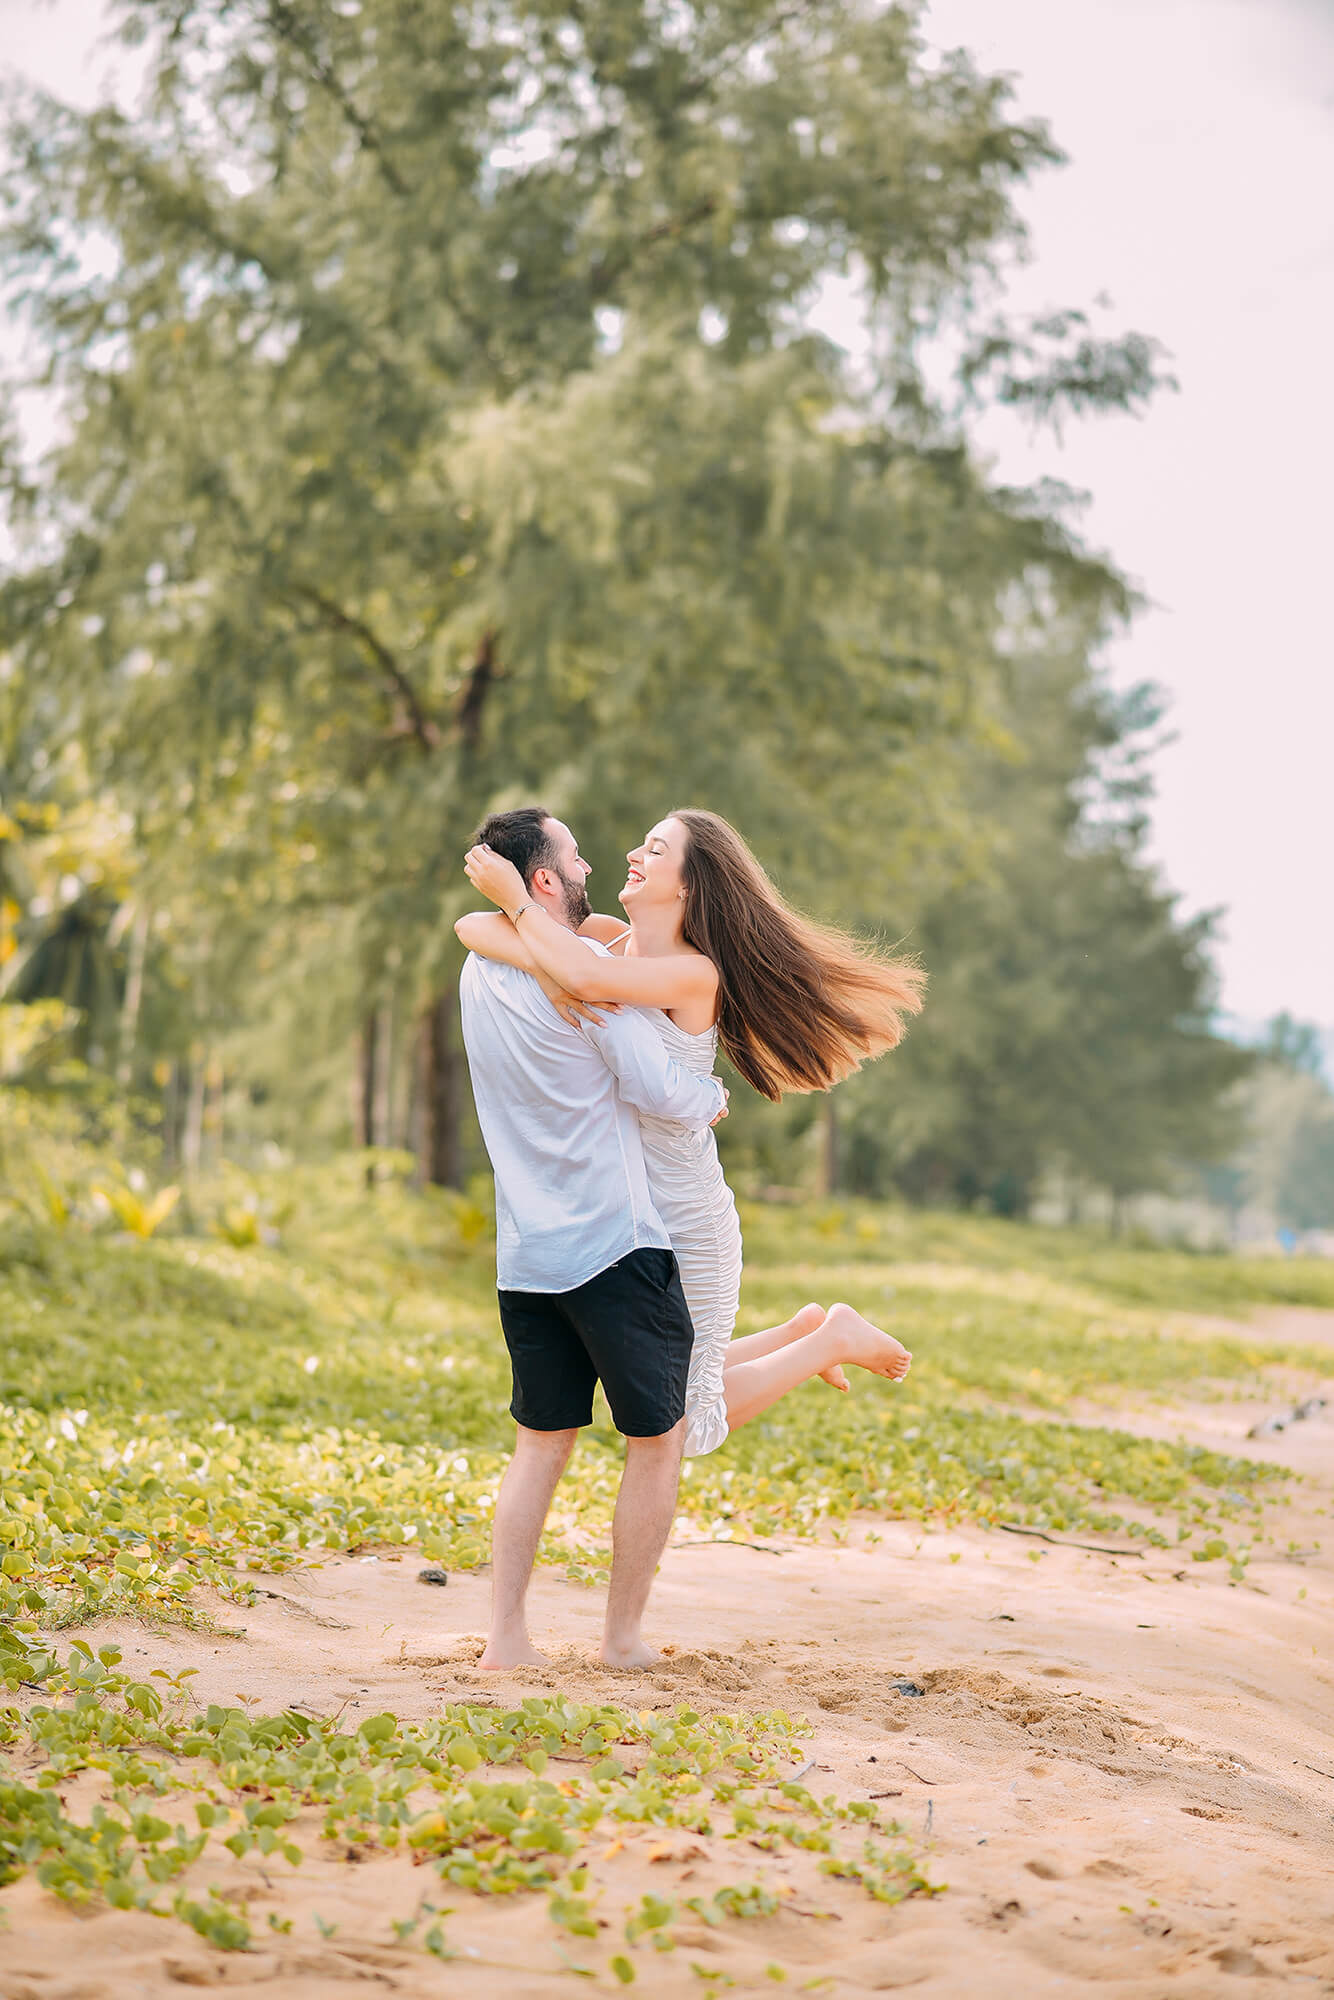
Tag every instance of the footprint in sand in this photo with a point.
(714, 1671)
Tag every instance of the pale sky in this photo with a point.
(1201, 143)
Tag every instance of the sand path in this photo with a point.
(1123, 1767)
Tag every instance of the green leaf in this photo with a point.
(378, 1728)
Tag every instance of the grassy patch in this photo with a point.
(181, 1410)
(1129, 1273)
(187, 1408)
(493, 1802)
(1023, 1339)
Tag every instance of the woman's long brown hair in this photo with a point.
(800, 1006)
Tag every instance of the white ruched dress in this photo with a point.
(685, 1178)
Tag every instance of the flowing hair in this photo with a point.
(800, 1006)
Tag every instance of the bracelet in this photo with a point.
(530, 905)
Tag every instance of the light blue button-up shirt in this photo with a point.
(559, 1111)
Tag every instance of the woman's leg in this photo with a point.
(751, 1346)
(753, 1384)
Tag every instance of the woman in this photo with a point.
(719, 957)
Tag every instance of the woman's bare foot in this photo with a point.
(809, 1320)
(500, 1655)
(634, 1653)
(865, 1345)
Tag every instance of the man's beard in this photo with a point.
(578, 909)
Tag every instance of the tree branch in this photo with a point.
(421, 727)
(288, 29)
(739, 51)
(482, 675)
(604, 276)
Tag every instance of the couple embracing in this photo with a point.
(591, 1043)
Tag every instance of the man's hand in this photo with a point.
(723, 1113)
(499, 880)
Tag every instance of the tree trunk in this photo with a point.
(171, 1118)
(439, 1096)
(369, 1049)
(829, 1160)
(402, 1090)
(368, 1066)
(134, 989)
(383, 1109)
(192, 1138)
(375, 1076)
(214, 1086)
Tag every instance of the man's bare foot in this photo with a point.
(865, 1345)
(634, 1653)
(500, 1655)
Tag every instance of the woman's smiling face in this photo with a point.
(655, 874)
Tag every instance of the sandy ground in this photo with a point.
(1122, 1768)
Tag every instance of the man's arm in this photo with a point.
(649, 1078)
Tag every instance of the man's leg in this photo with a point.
(525, 1493)
(645, 1506)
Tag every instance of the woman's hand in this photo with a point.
(569, 1007)
(499, 880)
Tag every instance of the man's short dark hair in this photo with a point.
(522, 837)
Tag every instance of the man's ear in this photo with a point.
(544, 882)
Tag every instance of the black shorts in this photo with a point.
(629, 1328)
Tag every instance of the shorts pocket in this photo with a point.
(663, 1268)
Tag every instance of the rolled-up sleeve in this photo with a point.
(650, 1079)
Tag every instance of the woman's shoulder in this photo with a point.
(614, 931)
(605, 930)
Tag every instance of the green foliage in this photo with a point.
(239, 1226)
(244, 1406)
(1293, 1045)
(446, 420)
(181, 1411)
(1286, 1166)
(887, 1874)
(734, 1901)
(653, 1914)
(574, 1914)
(851, 1232)
(1069, 1026)
(215, 1921)
(1306, 1189)
(54, 1199)
(387, 1783)
(143, 1218)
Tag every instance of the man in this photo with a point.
(588, 1285)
